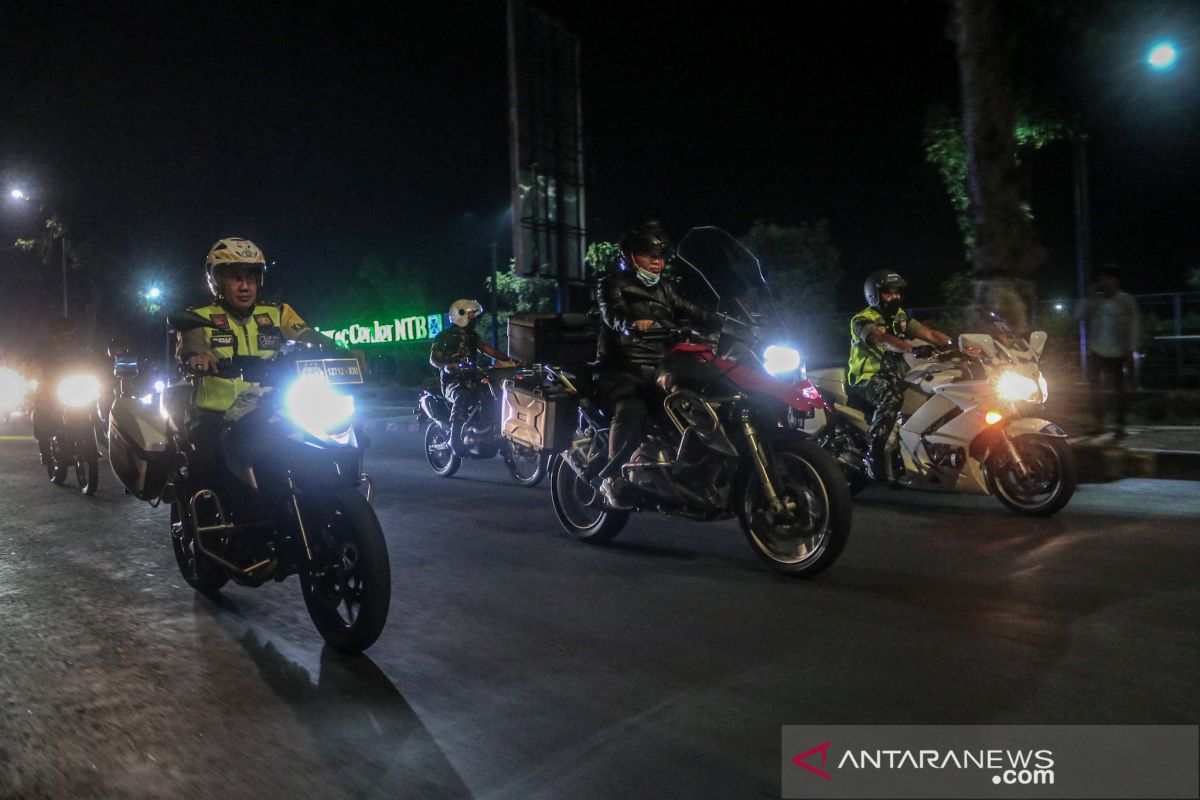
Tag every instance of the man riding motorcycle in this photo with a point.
(244, 326)
(632, 300)
(453, 356)
(53, 359)
(879, 334)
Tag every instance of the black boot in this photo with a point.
(876, 461)
(456, 438)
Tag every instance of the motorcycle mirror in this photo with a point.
(980, 341)
(1037, 342)
(187, 321)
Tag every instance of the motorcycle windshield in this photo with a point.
(726, 269)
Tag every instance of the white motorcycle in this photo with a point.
(971, 423)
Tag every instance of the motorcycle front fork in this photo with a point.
(763, 463)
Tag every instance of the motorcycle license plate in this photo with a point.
(334, 370)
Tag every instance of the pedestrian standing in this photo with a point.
(1113, 329)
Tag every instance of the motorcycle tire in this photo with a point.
(203, 575)
(441, 459)
(1019, 494)
(88, 476)
(803, 547)
(359, 574)
(525, 469)
(579, 508)
(57, 473)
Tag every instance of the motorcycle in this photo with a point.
(481, 432)
(14, 393)
(73, 444)
(972, 422)
(289, 499)
(727, 443)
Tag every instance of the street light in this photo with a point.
(17, 194)
(154, 293)
(1162, 56)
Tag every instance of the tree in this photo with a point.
(802, 265)
(1004, 252)
(518, 295)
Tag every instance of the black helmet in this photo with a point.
(878, 282)
(649, 238)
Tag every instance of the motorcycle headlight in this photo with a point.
(779, 359)
(12, 389)
(1016, 387)
(317, 408)
(77, 391)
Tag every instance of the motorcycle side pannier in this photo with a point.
(562, 339)
(538, 414)
(138, 447)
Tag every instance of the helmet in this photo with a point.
(649, 238)
(878, 282)
(463, 311)
(232, 251)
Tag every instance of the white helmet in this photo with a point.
(463, 311)
(232, 251)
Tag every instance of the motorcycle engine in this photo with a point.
(648, 469)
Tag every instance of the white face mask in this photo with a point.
(647, 277)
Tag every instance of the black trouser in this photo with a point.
(47, 418)
(203, 430)
(626, 393)
(1103, 369)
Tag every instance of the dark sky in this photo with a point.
(342, 131)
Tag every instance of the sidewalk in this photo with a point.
(1168, 452)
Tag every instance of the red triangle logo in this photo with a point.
(823, 749)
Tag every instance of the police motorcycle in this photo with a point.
(291, 499)
(481, 431)
(726, 441)
(73, 443)
(972, 422)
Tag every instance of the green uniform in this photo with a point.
(259, 333)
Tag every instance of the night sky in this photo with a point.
(335, 134)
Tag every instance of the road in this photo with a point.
(518, 663)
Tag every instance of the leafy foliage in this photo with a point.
(601, 258)
(946, 151)
(516, 295)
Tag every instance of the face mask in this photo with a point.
(889, 307)
(647, 277)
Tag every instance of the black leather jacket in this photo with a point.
(623, 300)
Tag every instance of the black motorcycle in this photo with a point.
(289, 499)
(481, 434)
(73, 445)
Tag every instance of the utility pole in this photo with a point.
(495, 300)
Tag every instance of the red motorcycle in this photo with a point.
(729, 440)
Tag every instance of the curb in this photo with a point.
(1101, 464)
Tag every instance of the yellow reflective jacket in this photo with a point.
(867, 359)
(260, 333)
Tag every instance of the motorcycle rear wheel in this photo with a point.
(1049, 487)
(438, 453)
(203, 575)
(809, 540)
(579, 508)
(348, 600)
(527, 466)
(57, 474)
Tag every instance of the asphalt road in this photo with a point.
(518, 663)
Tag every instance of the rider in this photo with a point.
(453, 355)
(632, 299)
(54, 358)
(879, 334)
(244, 326)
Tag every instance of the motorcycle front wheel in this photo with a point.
(527, 466)
(203, 575)
(57, 474)
(349, 588)
(87, 475)
(579, 507)
(812, 530)
(438, 453)
(1044, 486)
